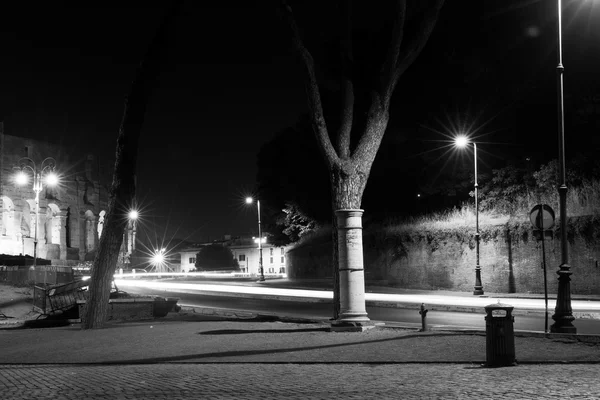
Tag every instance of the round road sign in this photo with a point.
(542, 216)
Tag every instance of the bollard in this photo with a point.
(423, 313)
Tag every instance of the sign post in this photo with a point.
(542, 218)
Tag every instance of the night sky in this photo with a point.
(230, 81)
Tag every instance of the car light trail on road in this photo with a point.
(439, 300)
(232, 289)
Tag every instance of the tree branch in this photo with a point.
(413, 49)
(347, 85)
(312, 88)
(377, 119)
(389, 77)
(398, 61)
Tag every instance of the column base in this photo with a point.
(345, 326)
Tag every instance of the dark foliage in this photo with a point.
(215, 257)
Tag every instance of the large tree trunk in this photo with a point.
(122, 190)
(121, 198)
(348, 182)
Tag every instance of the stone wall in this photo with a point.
(510, 259)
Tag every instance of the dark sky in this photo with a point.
(230, 82)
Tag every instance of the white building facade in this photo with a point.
(247, 255)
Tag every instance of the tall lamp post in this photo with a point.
(44, 173)
(249, 200)
(462, 142)
(563, 313)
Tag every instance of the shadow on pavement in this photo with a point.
(244, 331)
(241, 353)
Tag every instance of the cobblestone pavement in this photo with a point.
(299, 381)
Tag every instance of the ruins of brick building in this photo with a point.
(71, 214)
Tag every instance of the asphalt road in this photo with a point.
(324, 310)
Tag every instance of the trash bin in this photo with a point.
(500, 336)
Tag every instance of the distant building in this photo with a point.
(71, 215)
(245, 252)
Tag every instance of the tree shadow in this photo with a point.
(244, 331)
(242, 353)
(512, 287)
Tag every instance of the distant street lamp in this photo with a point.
(462, 142)
(249, 200)
(44, 174)
(563, 313)
(131, 218)
(158, 260)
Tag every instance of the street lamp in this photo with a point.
(158, 260)
(563, 313)
(249, 200)
(131, 218)
(462, 142)
(44, 174)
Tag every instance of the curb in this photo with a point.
(389, 304)
(476, 310)
(591, 339)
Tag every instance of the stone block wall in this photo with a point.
(125, 309)
(510, 259)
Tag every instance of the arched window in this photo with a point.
(8, 217)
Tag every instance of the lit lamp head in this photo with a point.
(461, 141)
(249, 200)
(22, 178)
(133, 215)
(158, 257)
(51, 179)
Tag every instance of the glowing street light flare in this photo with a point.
(461, 141)
(22, 178)
(51, 179)
(159, 256)
(133, 215)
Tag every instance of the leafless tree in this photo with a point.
(349, 166)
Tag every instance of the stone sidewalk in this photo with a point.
(298, 381)
(192, 355)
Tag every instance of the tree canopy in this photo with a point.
(215, 257)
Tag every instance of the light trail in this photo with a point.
(463, 301)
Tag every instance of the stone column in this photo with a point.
(2, 210)
(352, 277)
(61, 221)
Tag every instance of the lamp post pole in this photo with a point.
(249, 200)
(463, 141)
(47, 166)
(563, 313)
(260, 254)
(37, 188)
(478, 289)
